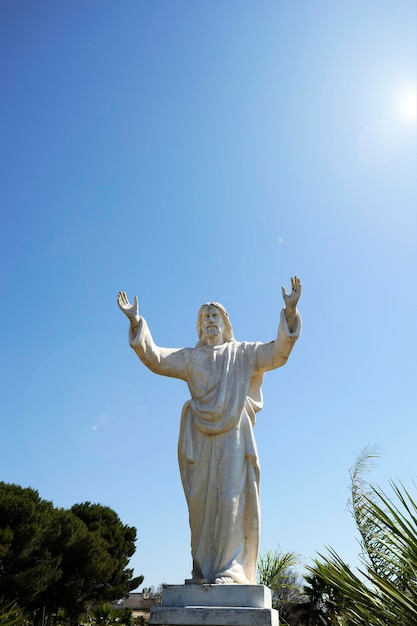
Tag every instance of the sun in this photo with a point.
(406, 104)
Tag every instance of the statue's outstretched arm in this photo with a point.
(165, 361)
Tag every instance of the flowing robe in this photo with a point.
(217, 451)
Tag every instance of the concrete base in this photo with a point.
(214, 605)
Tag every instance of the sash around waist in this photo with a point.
(189, 422)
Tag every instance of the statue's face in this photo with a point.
(212, 325)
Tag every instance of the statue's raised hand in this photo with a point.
(130, 310)
(292, 298)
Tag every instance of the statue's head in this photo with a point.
(213, 322)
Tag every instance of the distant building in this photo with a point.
(140, 602)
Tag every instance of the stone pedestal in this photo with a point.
(214, 605)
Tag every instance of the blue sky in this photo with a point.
(193, 151)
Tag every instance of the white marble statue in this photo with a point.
(217, 452)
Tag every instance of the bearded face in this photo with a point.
(212, 325)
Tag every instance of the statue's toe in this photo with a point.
(224, 580)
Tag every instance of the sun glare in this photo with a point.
(406, 104)
(386, 137)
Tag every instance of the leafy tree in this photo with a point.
(117, 543)
(53, 559)
(83, 558)
(27, 565)
(384, 592)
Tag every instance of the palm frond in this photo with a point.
(384, 592)
(11, 615)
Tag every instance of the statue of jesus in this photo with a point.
(217, 451)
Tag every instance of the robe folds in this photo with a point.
(217, 451)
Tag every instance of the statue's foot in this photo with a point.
(224, 580)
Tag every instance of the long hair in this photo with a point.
(228, 330)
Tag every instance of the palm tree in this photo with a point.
(104, 615)
(273, 568)
(384, 592)
(321, 602)
(11, 615)
(276, 571)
